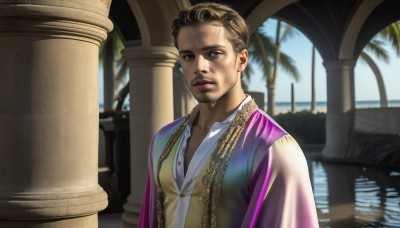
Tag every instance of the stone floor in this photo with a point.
(111, 220)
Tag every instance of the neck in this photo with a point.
(209, 113)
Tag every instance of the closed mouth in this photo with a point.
(201, 82)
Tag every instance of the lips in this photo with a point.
(202, 84)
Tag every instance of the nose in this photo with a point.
(201, 65)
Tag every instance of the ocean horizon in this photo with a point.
(285, 106)
(282, 106)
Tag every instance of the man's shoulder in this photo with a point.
(264, 127)
(259, 117)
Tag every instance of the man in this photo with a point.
(226, 164)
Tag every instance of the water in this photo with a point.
(354, 195)
(321, 105)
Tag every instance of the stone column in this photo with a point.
(151, 107)
(49, 112)
(340, 108)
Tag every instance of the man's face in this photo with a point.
(211, 67)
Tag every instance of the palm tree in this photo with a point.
(114, 67)
(260, 49)
(389, 34)
(313, 79)
(266, 54)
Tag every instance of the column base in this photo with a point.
(335, 152)
(131, 214)
(48, 206)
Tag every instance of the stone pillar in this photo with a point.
(340, 108)
(151, 107)
(49, 112)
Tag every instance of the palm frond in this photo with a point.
(391, 34)
(261, 51)
(121, 76)
(288, 32)
(375, 46)
(289, 66)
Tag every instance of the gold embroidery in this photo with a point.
(167, 149)
(219, 161)
(215, 172)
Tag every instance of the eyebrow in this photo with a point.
(183, 51)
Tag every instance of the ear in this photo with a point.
(243, 58)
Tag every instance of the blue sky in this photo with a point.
(299, 48)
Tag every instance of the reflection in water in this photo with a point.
(367, 200)
(321, 193)
(392, 203)
(355, 195)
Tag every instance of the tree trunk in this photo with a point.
(313, 80)
(293, 102)
(271, 100)
(271, 83)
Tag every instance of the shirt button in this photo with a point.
(181, 195)
(179, 162)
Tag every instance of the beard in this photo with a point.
(209, 98)
(205, 99)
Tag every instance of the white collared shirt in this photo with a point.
(184, 184)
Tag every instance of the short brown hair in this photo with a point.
(233, 23)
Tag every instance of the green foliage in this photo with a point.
(110, 56)
(306, 127)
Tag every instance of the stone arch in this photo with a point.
(347, 47)
(263, 11)
(351, 48)
(353, 28)
(154, 30)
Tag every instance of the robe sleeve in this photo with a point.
(280, 189)
(148, 212)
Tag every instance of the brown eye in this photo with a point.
(214, 54)
(187, 57)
